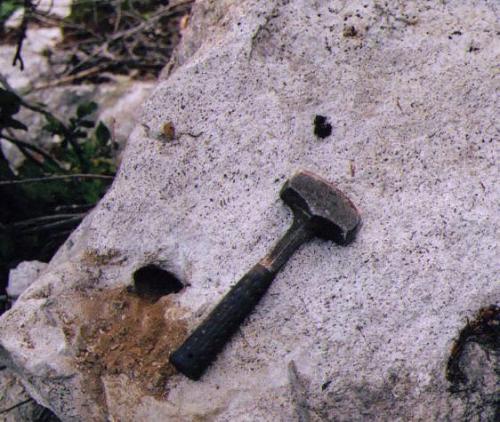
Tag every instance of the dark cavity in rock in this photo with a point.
(152, 282)
(473, 366)
(322, 128)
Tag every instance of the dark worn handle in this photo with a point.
(194, 356)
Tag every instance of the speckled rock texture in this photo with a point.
(363, 332)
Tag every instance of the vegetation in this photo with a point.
(103, 38)
(120, 36)
(52, 190)
(7, 7)
(46, 198)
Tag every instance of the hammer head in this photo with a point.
(330, 212)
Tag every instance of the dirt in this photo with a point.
(125, 334)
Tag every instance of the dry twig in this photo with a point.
(57, 177)
(21, 403)
(23, 146)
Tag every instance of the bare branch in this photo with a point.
(74, 207)
(28, 9)
(16, 406)
(84, 73)
(58, 177)
(25, 145)
(23, 102)
(51, 226)
(28, 155)
(151, 21)
(44, 219)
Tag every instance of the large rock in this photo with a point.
(345, 333)
(21, 277)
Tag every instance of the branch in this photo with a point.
(52, 20)
(67, 133)
(151, 21)
(44, 219)
(23, 102)
(70, 78)
(28, 8)
(25, 145)
(30, 157)
(16, 406)
(55, 225)
(74, 207)
(58, 177)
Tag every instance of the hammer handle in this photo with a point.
(194, 356)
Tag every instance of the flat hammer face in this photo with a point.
(319, 209)
(333, 215)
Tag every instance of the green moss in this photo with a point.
(7, 7)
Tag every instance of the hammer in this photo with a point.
(319, 209)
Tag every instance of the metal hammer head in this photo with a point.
(331, 213)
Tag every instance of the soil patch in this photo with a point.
(130, 335)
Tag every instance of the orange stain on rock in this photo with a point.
(124, 334)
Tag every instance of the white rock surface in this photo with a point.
(411, 90)
(61, 8)
(36, 66)
(21, 277)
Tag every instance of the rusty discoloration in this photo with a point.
(124, 334)
(168, 131)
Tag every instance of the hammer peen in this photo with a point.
(319, 210)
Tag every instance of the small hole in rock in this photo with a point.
(152, 282)
(322, 128)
